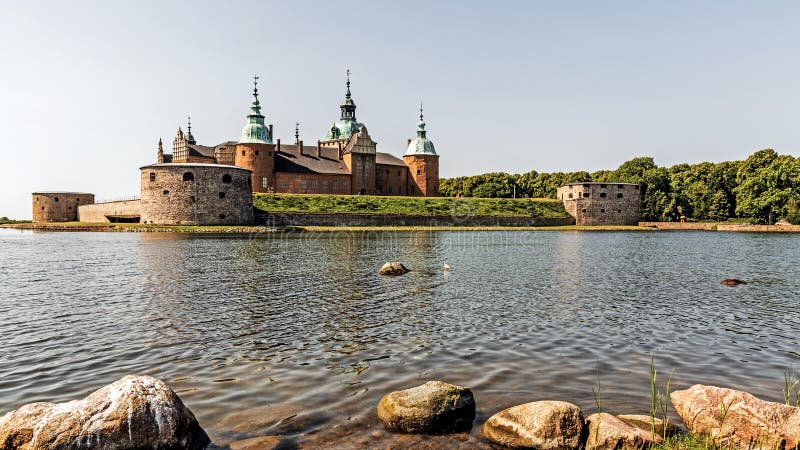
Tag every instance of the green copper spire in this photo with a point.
(346, 126)
(348, 106)
(421, 145)
(255, 132)
(189, 138)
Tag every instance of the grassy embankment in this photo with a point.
(6, 221)
(137, 227)
(417, 206)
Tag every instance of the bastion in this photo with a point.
(58, 206)
(196, 194)
(601, 203)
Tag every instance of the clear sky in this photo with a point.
(87, 88)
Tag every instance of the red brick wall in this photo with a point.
(362, 170)
(391, 180)
(291, 183)
(260, 160)
(423, 175)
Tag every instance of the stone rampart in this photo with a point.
(58, 206)
(119, 211)
(601, 203)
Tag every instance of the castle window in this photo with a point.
(619, 186)
(335, 185)
(244, 153)
(619, 195)
(570, 195)
(264, 182)
(602, 210)
(256, 152)
(313, 184)
(69, 208)
(56, 198)
(188, 176)
(283, 184)
(585, 195)
(78, 200)
(221, 195)
(222, 216)
(42, 208)
(152, 176)
(619, 211)
(226, 178)
(324, 185)
(390, 189)
(192, 199)
(602, 195)
(583, 210)
(303, 185)
(418, 172)
(387, 171)
(166, 192)
(344, 185)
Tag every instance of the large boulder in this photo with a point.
(737, 418)
(136, 412)
(649, 424)
(607, 432)
(393, 268)
(434, 407)
(545, 425)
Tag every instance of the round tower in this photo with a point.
(423, 163)
(255, 151)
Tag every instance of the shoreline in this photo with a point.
(232, 229)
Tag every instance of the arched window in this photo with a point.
(188, 176)
(152, 176)
(226, 178)
(619, 195)
(570, 195)
(602, 195)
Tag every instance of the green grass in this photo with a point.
(481, 228)
(419, 206)
(5, 220)
(686, 442)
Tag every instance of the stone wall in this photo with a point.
(58, 206)
(121, 211)
(196, 194)
(356, 220)
(601, 203)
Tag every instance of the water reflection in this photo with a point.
(300, 324)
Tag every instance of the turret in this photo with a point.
(160, 157)
(255, 151)
(422, 162)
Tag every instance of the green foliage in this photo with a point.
(764, 184)
(5, 220)
(439, 206)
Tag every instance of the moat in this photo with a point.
(295, 334)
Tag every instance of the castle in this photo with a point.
(345, 161)
(201, 185)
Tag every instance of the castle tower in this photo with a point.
(423, 163)
(180, 147)
(254, 151)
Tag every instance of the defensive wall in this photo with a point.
(58, 206)
(601, 203)
(116, 211)
(366, 220)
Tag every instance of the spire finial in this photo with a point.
(189, 124)
(348, 84)
(256, 106)
(420, 111)
(297, 133)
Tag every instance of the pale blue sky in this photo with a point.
(87, 88)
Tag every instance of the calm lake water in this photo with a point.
(296, 334)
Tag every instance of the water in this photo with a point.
(296, 335)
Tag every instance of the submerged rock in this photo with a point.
(256, 443)
(136, 412)
(732, 282)
(393, 268)
(647, 423)
(545, 425)
(736, 418)
(434, 407)
(607, 432)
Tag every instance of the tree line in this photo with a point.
(764, 187)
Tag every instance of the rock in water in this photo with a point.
(434, 407)
(393, 268)
(737, 418)
(732, 282)
(136, 412)
(607, 432)
(544, 425)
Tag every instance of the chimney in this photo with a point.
(408, 143)
(319, 149)
(270, 131)
(279, 146)
(301, 147)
